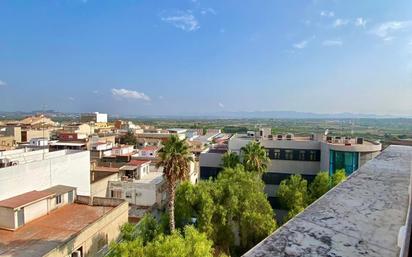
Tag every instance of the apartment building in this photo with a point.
(296, 155)
(138, 185)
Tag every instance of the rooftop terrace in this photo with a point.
(360, 217)
(42, 235)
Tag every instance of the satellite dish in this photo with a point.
(326, 132)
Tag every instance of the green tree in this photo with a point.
(128, 232)
(175, 157)
(338, 177)
(133, 248)
(230, 160)
(232, 206)
(293, 192)
(323, 183)
(320, 185)
(191, 244)
(255, 158)
(129, 139)
(148, 228)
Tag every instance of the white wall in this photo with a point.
(71, 169)
(35, 210)
(143, 194)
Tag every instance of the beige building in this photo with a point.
(7, 143)
(28, 134)
(58, 223)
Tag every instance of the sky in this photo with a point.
(145, 57)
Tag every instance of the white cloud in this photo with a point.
(183, 20)
(301, 45)
(129, 94)
(384, 29)
(161, 97)
(327, 14)
(388, 39)
(205, 11)
(95, 92)
(340, 22)
(360, 22)
(221, 105)
(332, 43)
(2, 83)
(71, 98)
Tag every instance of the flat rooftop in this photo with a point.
(152, 178)
(360, 217)
(42, 235)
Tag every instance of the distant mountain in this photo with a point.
(298, 115)
(270, 115)
(217, 115)
(48, 113)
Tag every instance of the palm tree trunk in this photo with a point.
(171, 207)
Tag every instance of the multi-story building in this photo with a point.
(296, 155)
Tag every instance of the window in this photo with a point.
(312, 156)
(288, 154)
(58, 199)
(276, 154)
(116, 194)
(302, 154)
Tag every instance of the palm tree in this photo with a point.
(230, 160)
(255, 158)
(175, 157)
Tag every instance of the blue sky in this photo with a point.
(187, 56)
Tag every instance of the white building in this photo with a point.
(24, 171)
(122, 150)
(148, 152)
(94, 117)
(41, 141)
(139, 186)
(289, 155)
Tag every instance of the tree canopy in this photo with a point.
(293, 192)
(230, 160)
(129, 139)
(190, 243)
(232, 210)
(255, 158)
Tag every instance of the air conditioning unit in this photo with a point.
(359, 140)
(289, 136)
(329, 139)
(279, 137)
